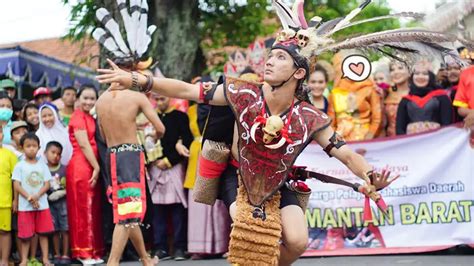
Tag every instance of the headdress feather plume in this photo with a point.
(112, 27)
(316, 39)
(138, 33)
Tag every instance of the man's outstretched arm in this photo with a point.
(355, 162)
(164, 86)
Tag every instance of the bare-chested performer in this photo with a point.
(117, 111)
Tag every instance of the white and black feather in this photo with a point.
(112, 27)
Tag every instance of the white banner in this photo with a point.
(430, 205)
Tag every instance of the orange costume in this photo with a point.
(465, 93)
(355, 109)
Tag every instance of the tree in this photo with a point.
(227, 23)
(176, 41)
(187, 27)
(330, 9)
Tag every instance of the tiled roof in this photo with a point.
(83, 52)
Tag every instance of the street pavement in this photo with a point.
(456, 256)
(399, 260)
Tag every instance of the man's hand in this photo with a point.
(161, 164)
(120, 79)
(381, 181)
(369, 191)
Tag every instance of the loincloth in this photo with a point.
(127, 172)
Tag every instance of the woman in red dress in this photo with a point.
(83, 193)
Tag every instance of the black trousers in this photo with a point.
(160, 225)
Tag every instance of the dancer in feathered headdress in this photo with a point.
(125, 158)
(274, 124)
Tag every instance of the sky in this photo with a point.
(24, 20)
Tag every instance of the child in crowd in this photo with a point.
(19, 128)
(57, 202)
(8, 161)
(31, 117)
(31, 177)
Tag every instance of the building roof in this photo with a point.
(84, 53)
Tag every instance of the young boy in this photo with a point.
(19, 128)
(68, 98)
(8, 161)
(32, 178)
(57, 201)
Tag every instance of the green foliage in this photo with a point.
(82, 18)
(226, 23)
(237, 22)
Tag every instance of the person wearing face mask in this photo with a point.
(6, 113)
(51, 129)
(9, 86)
(399, 75)
(380, 79)
(318, 81)
(426, 107)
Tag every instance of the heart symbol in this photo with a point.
(357, 69)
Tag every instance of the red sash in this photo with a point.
(422, 101)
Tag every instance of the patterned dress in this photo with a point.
(391, 107)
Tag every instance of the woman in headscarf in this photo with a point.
(426, 107)
(51, 129)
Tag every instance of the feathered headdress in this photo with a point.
(138, 34)
(307, 40)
